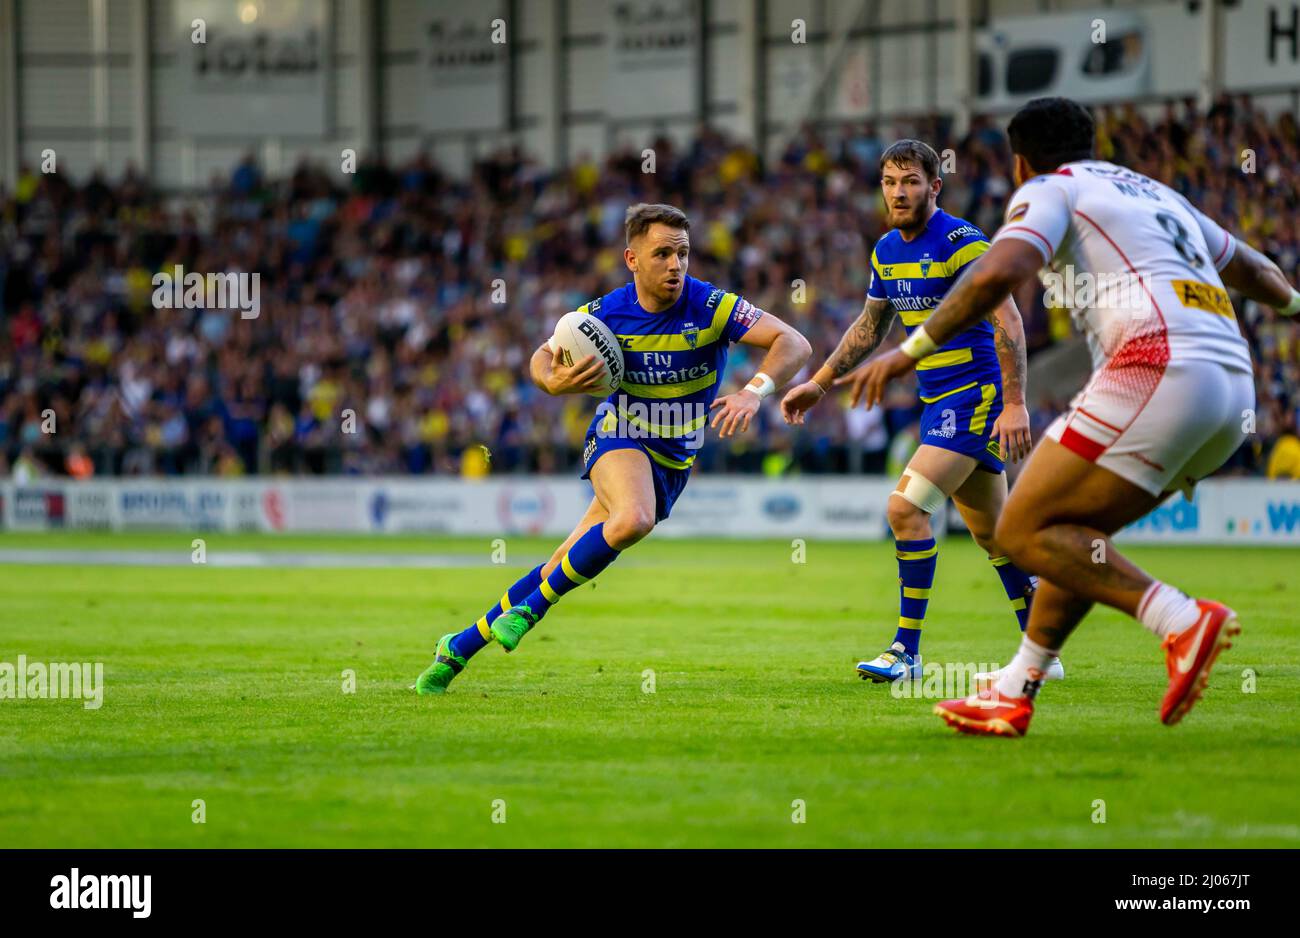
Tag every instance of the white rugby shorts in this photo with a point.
(1162, 425)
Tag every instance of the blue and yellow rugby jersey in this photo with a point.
(914, 276)
(673, 364)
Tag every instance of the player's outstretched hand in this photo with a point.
(735, 413)
(868, 383)
(1011, 430)
(578, 378)
(799, 400)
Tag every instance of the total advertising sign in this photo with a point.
(260, 67)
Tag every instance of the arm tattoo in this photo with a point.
(961, 307)
(863, 336)
(1011, 355)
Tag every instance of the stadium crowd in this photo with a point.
(399, 306)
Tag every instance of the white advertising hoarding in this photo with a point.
(653, 57)
(463, 61)
(1263, 39)
(259, 68)
(1117, 53)
(1224, 511)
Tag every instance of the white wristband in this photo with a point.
(1294, 306)
(765, 385)
(918, 345)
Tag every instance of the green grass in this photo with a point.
(225, 685)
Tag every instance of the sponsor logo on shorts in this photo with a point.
(588, 451)
(946, 432)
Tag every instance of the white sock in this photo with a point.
(1165, 610)
(1031, 656)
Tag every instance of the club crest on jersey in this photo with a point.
(926, 262)
(691, 333)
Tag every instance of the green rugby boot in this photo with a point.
(509, 628)
(445, 666)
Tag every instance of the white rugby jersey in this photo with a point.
(1152, 261)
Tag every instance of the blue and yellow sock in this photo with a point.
(584, 561)
(916, 564)
(467, 643)
(1019, 585)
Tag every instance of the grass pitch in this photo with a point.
(226, 685)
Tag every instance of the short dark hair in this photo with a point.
(1050, 131)
(912, 151)
(644, 214)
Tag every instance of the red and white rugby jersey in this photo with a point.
(1097, 218)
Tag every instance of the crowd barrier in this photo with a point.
(1223, 511)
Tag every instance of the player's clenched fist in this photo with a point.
(734, 411)
(799, 400)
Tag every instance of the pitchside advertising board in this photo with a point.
(1229, 511)
(850, 509)
(1226, 511)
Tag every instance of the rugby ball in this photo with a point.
(581, 334)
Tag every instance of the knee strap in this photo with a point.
(921, 492)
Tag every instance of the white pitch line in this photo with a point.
(237, 558)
